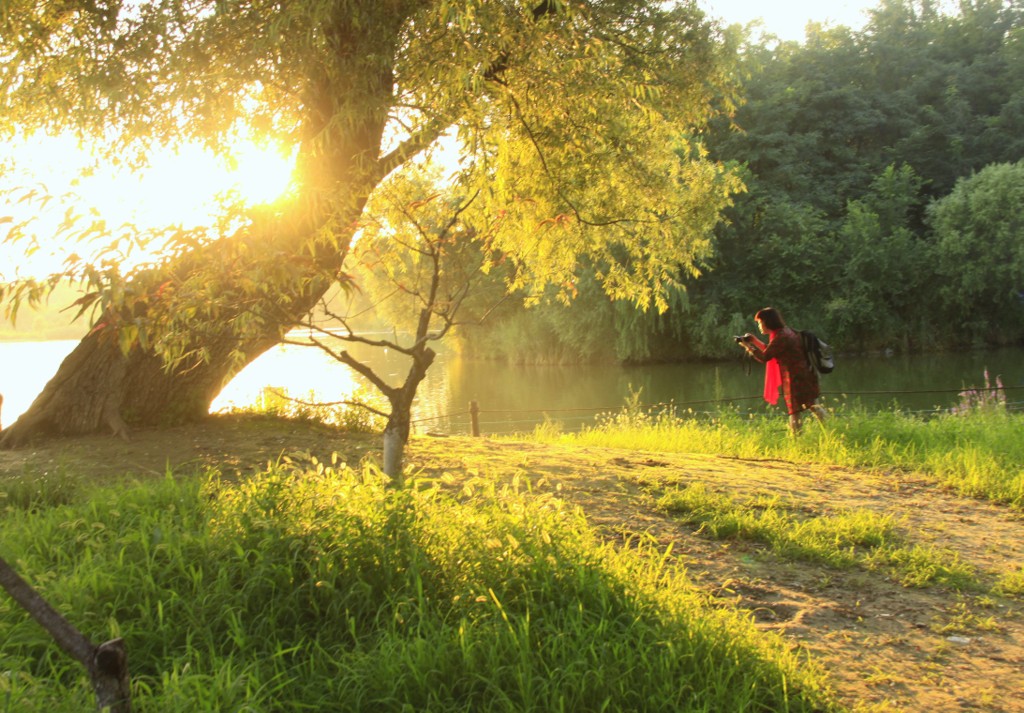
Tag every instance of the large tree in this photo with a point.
(579, 124)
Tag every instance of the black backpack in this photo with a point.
(819, 354)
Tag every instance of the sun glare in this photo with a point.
(262, 174)
(180, 188)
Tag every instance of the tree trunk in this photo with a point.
(396, 432)
(97, 387)
(396, 435)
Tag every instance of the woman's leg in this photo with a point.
(794, 423)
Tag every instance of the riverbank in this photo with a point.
(917, 609)
(516, 398)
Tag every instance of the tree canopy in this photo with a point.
(978, 242)
(580, 126)
(845, 140)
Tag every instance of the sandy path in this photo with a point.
(886, 646)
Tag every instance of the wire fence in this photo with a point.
(476, 420)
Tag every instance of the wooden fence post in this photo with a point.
(106, 664)
(474, 418)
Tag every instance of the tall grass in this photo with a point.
(321, 589)
(980, 453)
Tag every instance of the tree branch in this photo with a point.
(358, 404)
(426, 136)
(491, 74)
(413, 145)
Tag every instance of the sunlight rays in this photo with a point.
(180, 188)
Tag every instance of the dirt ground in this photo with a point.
(887, 647)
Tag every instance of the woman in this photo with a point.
(786, 365)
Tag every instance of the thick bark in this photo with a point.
(106, 664)
(98, 388)
(348, 98)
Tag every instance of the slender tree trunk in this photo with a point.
(396, 436)
(396, 432)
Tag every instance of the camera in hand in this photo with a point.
(740, 340)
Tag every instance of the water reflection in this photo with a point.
(25, 367)
(302, 372)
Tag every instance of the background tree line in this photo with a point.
(884, 185)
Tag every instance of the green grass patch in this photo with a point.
(843, 539)
(1011, 584)
(314, 588)
(979, 454)
(30, 491)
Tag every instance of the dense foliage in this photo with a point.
(576, 127)
(882, 169)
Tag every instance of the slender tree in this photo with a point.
(574, 115)
(420, 262)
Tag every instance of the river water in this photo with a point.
(517, 397)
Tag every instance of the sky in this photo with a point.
(181, 190)
(787, 18)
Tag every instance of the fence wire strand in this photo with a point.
(685, 408)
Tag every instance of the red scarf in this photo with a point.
(772, 376)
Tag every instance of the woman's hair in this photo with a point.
(770, 318)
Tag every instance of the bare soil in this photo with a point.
(887, 647)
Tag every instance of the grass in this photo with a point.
(978, 454)
(1012, 583)
(831, 540)
(26, 491)
(317, 587)
(841, 540)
